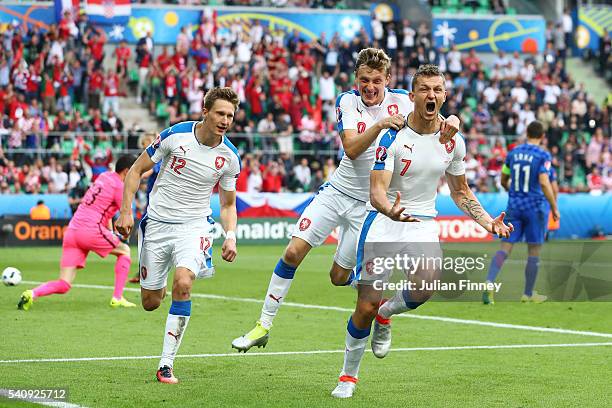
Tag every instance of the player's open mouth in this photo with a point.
(221, 128)
(430, 107)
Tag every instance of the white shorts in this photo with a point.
(162, 245)
(382, 237)
(330, 209)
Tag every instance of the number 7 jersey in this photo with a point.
(188, 174)
(417, 162)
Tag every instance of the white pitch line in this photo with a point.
(46, 402)
(290, 353)
(344, 309)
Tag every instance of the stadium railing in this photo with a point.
(65, 143)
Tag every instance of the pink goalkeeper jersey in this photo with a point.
(100, 203)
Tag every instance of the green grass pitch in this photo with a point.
(81, 324)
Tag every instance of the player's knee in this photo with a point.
(339, 276)
(293, 255)
(368, 310)
(182, 285)
(150, 303)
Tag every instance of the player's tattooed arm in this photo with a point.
(465, 200)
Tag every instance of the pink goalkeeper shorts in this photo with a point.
(77, 244)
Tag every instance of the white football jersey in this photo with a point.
(189, 172)
(417, 162)
(352, 177)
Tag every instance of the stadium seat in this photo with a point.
(467, 10)
(483, 11)
(437, 10)
(511, 11)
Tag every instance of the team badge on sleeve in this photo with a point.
(547, 164)
(338, 114)
(450, 145)
(381, 154)
(219, 162)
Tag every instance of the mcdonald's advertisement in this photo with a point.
(524, 34)
(165, 23)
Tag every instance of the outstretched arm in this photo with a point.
(379, 184)
(465, 199)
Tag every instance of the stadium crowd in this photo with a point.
(287, 86)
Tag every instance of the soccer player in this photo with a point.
(526, 175)
(177, 229)
(362, 115)
(90, 229)
(406, 171)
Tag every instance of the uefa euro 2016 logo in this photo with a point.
(381, 154)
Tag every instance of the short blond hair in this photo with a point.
(374, 58)
(225, 93)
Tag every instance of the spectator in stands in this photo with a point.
(273, 177)
(255, 180)
(111, 92)
(285, 133)
(58, 180)
(266, 129)
(40, 211)
(100, 163)
(302, 174)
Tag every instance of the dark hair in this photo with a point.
(226, 94)
(535, 130)
(124, 162)
(426, 71)
(374, 58)
(39, 202)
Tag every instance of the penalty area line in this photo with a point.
(344, 309)
(291, 353)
